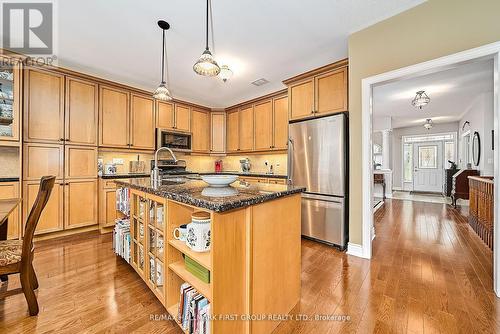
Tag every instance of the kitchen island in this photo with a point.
(254, 257)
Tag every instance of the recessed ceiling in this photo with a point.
(451, 91)
(120, 41)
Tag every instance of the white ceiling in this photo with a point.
(451, 92)
(119, 40)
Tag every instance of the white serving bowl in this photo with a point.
(219, 180)
(219, 191)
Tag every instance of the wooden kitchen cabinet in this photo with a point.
(218, 132)
(107, 203)
(164, 115)
(142, 122)
(200, 125)
(301, 97)
(233, 130)
(52, 217)
(81, 111)
(182, 118)
(80, 203)
(80, 162)
(10, 119)
(263, 112)
(43, 106)
(280, 123)
(246, 126)
(331, 92)
(114, 118)
(11, 190)
(41, 159)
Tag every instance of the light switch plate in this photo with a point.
(118, 161)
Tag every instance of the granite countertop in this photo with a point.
(197, 193)
(251, 174)
(9, 179)
(124, 176)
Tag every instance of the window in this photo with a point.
(449, 151)
(427, 156)
(407, 162)
(424, 138)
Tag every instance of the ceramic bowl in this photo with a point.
(219, 180)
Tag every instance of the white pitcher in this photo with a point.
(198, 232)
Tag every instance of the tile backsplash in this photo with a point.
(9, 162)
(108, 157)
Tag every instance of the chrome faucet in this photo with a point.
(155, 173)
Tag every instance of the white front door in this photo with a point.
(428, 167)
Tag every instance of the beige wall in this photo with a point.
(431, 30)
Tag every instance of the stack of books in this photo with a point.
(194, 311)
(122, 201)
(121, 238)
(197, 269)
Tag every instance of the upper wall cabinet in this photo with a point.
(114, 117)
(142, 122)
(10, 96)
(319, 92)
(200, 125)
(246, 128)
(233, 130)
(173, 116)
(263, 112)
(280, 123)
(44, 106)
(217, 132)
(81, 112)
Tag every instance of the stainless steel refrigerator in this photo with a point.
(318, 160)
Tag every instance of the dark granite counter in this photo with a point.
(123, 176)
(250, 174)
(199, 194)
(9, 179)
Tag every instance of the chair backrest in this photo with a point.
(46, 185)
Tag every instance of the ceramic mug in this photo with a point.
(198, 232)
(181, 232)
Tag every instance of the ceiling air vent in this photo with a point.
(260, 82)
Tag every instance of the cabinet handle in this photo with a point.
(61, 139)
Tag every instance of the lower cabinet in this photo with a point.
(107, 203)
(52, 218)
(254, 179)
(11, 190)
(80, 203)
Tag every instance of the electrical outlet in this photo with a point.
(118, 161)
(266, 162)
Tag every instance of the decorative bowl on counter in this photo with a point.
(219, 192)
(219, 180)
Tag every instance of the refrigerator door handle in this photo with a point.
(290, 161)
(323, 198)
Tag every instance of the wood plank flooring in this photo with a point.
(429, 274)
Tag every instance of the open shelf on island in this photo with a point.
(174, 311)
(201, 258)
(202, 287)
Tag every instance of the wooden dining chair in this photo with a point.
(16, 256)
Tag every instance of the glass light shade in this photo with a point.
(225, 73)
(420, 100)
(206, 65)
(428, 124)
(162, 93)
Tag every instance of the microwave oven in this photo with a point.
(176, 141)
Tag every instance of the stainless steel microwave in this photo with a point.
(175, 140)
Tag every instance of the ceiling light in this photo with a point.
(428, 124)
(225, 73)
(162, 92)
(420, 100)
(206, 64)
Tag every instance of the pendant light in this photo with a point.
(420, 100)
(206, 64)
(428, 124)
(162, 92)
(225, 73)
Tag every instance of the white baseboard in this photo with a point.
(354, 249)
(397, 189)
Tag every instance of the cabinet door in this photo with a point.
(263, 126)
(218, 136)
(11, 190)
(9, 121)
(107, 209)
(301, 97)
(331, 92)
(164, 115)
(246, 128)
(280, 123)
(182, 118)
(142, 122)
(81, 112)
(81, 162)
(113, 117)
(200, 125)
(80, 203)
(51, 218)
(42, 159)
(233, 131)
(44, 106)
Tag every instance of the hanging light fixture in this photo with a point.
(428, 124)
(206, 64)
(225, 73)
(420, 100)
(162, 92)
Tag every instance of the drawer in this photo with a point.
(277, 181)
(109, 184)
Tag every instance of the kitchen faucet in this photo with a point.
(155, 173)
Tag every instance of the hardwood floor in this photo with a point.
(429, 273)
